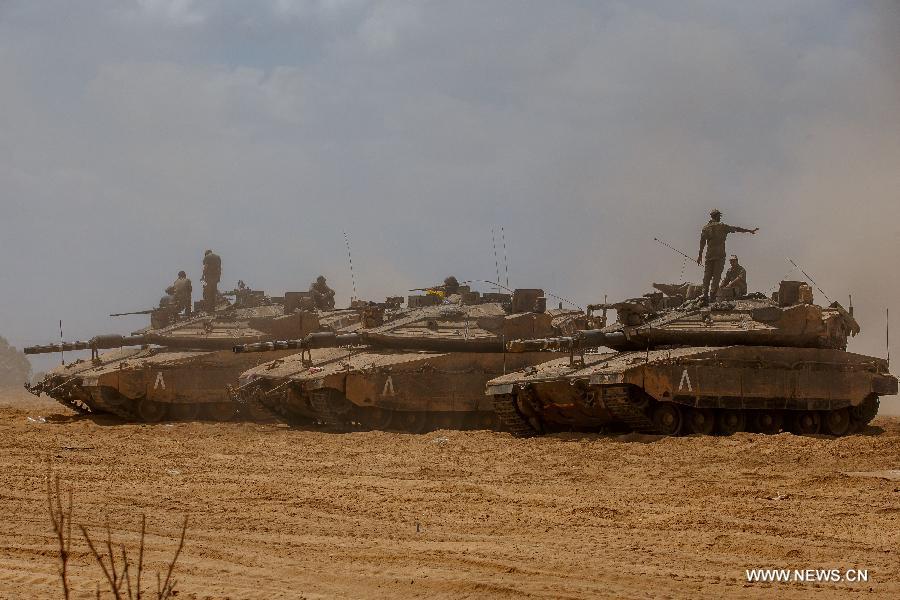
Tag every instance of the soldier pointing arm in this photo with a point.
(713, 238)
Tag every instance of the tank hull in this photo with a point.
(408, 391)
(153, 384)
(184, 371)
(698, 390)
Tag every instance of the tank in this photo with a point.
(179, 368)
(425, 368)
(759, 364)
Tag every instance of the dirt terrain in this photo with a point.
(281, 513)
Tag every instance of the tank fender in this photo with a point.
(496, 390)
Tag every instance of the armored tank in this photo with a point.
(423, 369)
(757, 363)
(180, 367)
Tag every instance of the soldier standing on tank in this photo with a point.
(713, 237)
(322, 295)
(212, 273)
(734, 285)
(181, 291)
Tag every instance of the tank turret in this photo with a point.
(752, 321)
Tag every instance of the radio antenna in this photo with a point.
(496, 262)
(505, 259)
(350, 258)
(887, 334)
(675, 250)
(805, 274)
(62, 356)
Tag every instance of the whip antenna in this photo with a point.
(350, 258)
(561, 299)
(505, 259)
(675, 250)
(805, 274)
(62, 356)
(887, 334)
(496, 263)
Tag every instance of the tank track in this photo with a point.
(101, 400)
(74, 404)
(620, 402)
(323, 404)
(250, 404)
(511, 419)
(863, 414)
(64, 394)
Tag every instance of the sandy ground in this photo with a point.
(279, 513)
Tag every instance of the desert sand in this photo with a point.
(282, 513)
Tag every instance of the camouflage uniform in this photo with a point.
(182, 290)
(713, 237)
(735, 283)
(322, 295)
(212, 273)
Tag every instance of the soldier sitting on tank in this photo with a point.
(181, 294)
(451, 286)
(713, 237)
(322, 295)
(734, 285)
(166, 312)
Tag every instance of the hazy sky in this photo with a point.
(133, 135)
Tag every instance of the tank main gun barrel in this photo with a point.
(270, 346)
(99, 342)
(429, 289)
(137, 312)
(319, 339)
(601, 306)
(588, 338)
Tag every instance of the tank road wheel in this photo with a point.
(411, 421)
(807, 422)
(767, 421)
(667, 418)
(219, 411)
(836, 422)
(701, 420)
(376, 418)
(184, 411)
(731, 422)
(150, 411)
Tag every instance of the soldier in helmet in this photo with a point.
(212, 273)
(451, 286)
(713, 238)
(734, 284)
(322, 295)
(181, 293)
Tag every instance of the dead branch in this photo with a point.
(61, 519)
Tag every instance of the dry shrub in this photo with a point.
(123, 577)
